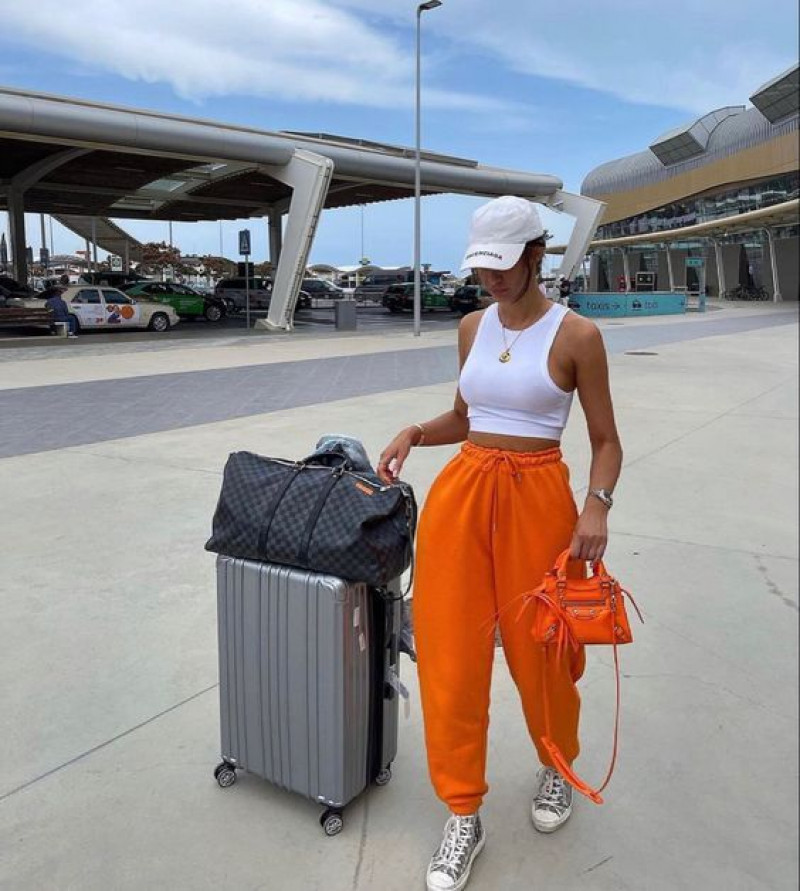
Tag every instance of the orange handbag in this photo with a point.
(570, 613)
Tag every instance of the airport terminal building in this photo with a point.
(723, 188)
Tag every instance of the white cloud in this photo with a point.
(693, 55)
(684, 54)
(309, 51)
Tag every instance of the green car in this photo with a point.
(400, 297)
(184, 300)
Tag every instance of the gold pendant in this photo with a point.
(505, 356)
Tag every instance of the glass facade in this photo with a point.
(704, 208)
(754, 254)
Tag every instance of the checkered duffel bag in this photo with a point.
(315, 516)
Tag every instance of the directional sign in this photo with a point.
(244, 242)
(695, 262)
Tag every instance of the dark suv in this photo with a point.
(114, 279)
(374, 286)
(468, 298)
(12, 288)
(233, 291)
(398, 298)
(320, 287)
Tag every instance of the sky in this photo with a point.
(555, 88)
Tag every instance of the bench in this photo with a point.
(26, 317)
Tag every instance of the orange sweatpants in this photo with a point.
(493, 523)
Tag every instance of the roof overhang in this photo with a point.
(779, 97)
(72, 157)
(692, 139)
(786, 213)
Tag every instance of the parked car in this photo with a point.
(186, 301)
(319, 287)
(233, 291)
(107, 278)
(468, 298)
(374, 286)
(398, 298)
(14, 288)
(110, 308)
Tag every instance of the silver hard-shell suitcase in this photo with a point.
(308, 681)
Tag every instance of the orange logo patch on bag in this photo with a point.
(362, 487)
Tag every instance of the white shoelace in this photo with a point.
(552, 792)
(459, 837)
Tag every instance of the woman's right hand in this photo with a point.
(394, 455)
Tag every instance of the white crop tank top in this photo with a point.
(518, 397)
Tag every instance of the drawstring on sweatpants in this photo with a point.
(491, 459)
(494, 462)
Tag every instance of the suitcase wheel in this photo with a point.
(383, 776)
(332, 821)
(225, 775)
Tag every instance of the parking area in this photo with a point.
(112, 462)
(319, 318)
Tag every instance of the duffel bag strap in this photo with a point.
(336, 475)
(263, 535)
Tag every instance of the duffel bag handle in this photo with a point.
(328, 459)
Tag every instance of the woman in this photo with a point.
(497, 517)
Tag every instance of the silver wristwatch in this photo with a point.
(603, 495)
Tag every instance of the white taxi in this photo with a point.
(99, 307)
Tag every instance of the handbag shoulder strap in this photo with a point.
(559, 761)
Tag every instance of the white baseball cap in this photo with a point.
(499, 232)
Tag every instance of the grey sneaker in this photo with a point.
(463, 840)
(552, 804)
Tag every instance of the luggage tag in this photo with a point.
(362, 641)
(393, 680)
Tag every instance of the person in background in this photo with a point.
(495, 520)
(57, 305)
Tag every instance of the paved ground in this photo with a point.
(112, 452)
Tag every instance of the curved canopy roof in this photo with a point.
(79, 158)
(691, 139)
(716, 135)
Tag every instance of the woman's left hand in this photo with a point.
(591, 533)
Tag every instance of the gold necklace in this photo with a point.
(505, 356)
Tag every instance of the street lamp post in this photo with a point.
(423, 7)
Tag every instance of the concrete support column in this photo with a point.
(670, 270)
(723, 285)
(594, 273)
(309, 176)
(626, 267)
(16, 232)
(274, 225)
(773, 261)
(94, 244)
